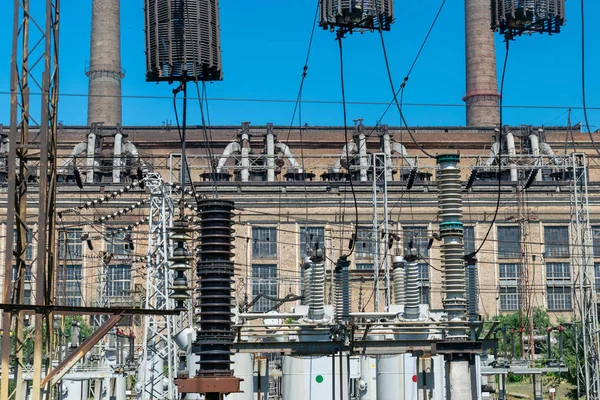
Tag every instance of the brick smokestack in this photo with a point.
(105, 73)
(482, 83)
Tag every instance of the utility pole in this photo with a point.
(24, 71)
(586, 309)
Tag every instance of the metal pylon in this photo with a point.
(158, 365)
(586, 310)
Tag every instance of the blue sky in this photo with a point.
(264, 45)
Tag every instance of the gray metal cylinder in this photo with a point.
(316, 307)
(105, 73)
(398, 277)
(451, 232)
(342, 290)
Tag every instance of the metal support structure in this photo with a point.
(380, 170)
(586, 309)
(159, 355)
(37, 63)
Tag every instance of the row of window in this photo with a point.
(69, 290)
(556, 239)
(558, 286)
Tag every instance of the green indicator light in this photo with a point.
(319, 378)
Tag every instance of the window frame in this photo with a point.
(264, 249)
(74, 245)
(556, 247)
(558, 286)
(264, 279)
(73, 290)
(119, 284)
(505, 244)
(365, 244)
(420, 236)
(311, 231)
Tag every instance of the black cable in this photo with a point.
(500, 101)
(403, 84)
(340, 36)
(187, 166)
(207, 136)
(583, 96)
(389, 74)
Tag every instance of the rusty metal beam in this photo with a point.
(57, 373)
(64, 310)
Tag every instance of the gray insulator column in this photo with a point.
(342, 290)
(316, 307)
(472, 291)
(105, 73)
(411, 284)
(306, 276)
(398, 277)
(482, 84)
(451, 232)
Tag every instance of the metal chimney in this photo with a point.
(105, 73)
(482, 84)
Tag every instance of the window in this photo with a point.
(597, 275)
(596, 240)
(264, 281)
(556, 240)
(119, 280)
(116, 243)
(469, 239)
(509, 242)
(28, 241)
(510, 295)
(364, 266)
(311, 236)
(424, 282)
(68, 286)
(558, 280)
(365, 245)
(26, 282)
(418, 235)
(74, 248)
(559, 298)
(264, 242)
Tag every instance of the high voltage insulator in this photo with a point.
(356, 14)
(451, 232)
(180, 263)
(182, 40)
(342, 290)
(214, 334)
(515, 17)
(412, 296)
(398, 275)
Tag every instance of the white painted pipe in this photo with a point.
(547, 151)
(270, 139)
(117, 162)
(387, 150)
(494, 151)
(231, 148)
(288, 154)
(245, 157)
(364, 161)
(534, 142)
(91, 148)
(77, 150)
(399, 149)
(348, 152)
(130, 149)
(512, 151)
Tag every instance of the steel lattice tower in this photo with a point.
(158, 347)
(586, 309)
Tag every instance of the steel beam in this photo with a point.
(57, 373)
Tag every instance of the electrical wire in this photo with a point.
(500, 132)
(340, 36)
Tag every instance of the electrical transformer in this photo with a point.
(515, 17)
(182, 40)
(356, 14)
